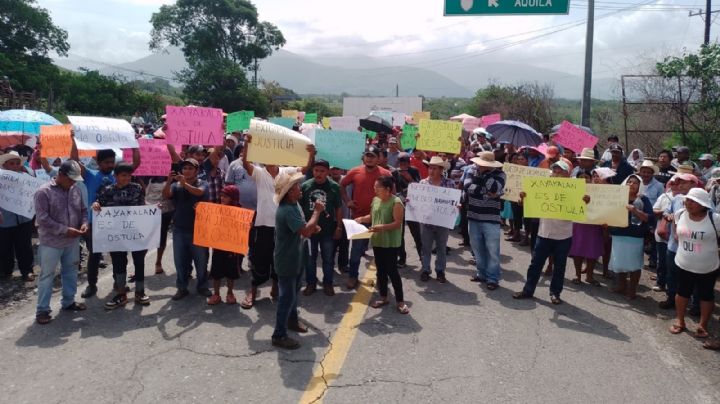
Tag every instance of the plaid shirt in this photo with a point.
(215, 184)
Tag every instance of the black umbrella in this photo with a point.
(514, 132)
(376, 124)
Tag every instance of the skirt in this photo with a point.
(627, 254)
(587, 241)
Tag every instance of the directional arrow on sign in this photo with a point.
(493, 3)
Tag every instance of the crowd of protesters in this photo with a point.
(299, 211)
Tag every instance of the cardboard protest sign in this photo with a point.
(311, 118)
(419, 116)
(284, 122)
(126, 228)
(340, 149)
(574, 138)
(290, 113)
(554, 198)
(345, 123)
(223, 227)
(398, 119)
(487, 120)
(434, 205)
(407, 140)
(55, 141)
(17, 192)
(439, 136)
(470, 124)
(274, 144)
(513, 179)
(154, 157)
(96, 133)
(355, 231)
(239, 121)
(194, 126)
(607, 205)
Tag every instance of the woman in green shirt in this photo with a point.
(386, 216)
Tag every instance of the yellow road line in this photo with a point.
(329, 367)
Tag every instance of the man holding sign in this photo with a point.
(554, 240)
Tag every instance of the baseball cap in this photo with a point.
(322, 163)
(403, 156)
(190, 161)
(562, 165)
(372, 150)
(616, 147)
(71, 169)
(196, 149)
(707, 156)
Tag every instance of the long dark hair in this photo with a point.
(386, 181)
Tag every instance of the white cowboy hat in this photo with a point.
(438, 161)
(700, 196)
(4, 158)
(649, 164)
(587, 154)
(283, 183)
(486, 159)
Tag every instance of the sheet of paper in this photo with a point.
(356, 231)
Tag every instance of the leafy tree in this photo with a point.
(206, 30)
(530, 103)
(699, 107)
(26, 29)
(320, 107)
(222, 83)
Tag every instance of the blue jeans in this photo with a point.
(434, 234)
(185, 253)
(326, 245)
(68, 259)
(661, 269)
(357, 250)
(287, 313)
(485, 243)
(545, 247)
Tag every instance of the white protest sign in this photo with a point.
(398, 119)
(431, 204)
(355, 231)
(345, 123)
(126, 228)
(96, 133)
(274, 144)
(514, 174)
(17, 192)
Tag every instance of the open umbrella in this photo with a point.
(461, 117)
(376, 124)
(17, 124)
(555, 129)
(515, 132)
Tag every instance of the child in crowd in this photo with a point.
(224, 263)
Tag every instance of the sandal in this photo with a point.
(248, 301)
(403, 308)
(555, 299)
(43, 317)
(477, 279)
(701, 333)
(159, 270)
(521, 295)
(230, 299)
(577, 281)
(379, 303)
(677, 329)
(214, 299)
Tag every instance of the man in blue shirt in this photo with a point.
(94, 180)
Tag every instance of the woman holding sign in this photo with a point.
(626, 257)
(124, 193)
(432, 233)
(386, 215)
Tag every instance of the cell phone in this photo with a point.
(176, 167)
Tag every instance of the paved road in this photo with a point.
(460, 343)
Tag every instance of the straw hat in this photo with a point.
(438, 161)
(4, 158)
(685, 169)
(649, 164)
(700, 196)
(486, 159)
(283, 183)
(587, 154)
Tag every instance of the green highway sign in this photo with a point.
(505, 7)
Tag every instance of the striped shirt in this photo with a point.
(478, 186)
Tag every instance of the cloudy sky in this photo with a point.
(399, 32)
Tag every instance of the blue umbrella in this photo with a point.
(515, 132)
(17, 123)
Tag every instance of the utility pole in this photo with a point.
(397, 90)
(587, 83)
(708, 6)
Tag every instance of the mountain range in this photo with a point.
(367, 76)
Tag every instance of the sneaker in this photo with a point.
(142, 299)
(117, 301)
(90, 291)
(204, 292)
(181, 293)
(329, 290)
(441, 277)
(43, 317)
(667, 304)
(214, 299)
(285, 343)
(424, 276)
(309, 289)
